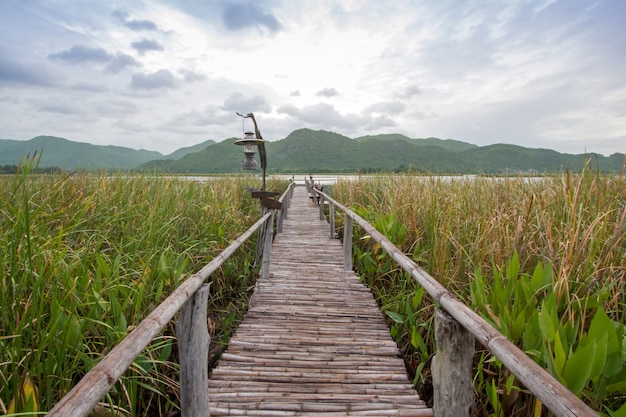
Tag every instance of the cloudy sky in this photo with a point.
(163, 74)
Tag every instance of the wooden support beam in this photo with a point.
(267, 247)
(331, 211)
(193, 352)
(452, 368)
(347, 243)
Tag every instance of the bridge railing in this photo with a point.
(456, 328)
(190, 298)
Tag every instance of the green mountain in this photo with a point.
(307, 151)
(447, 144)
(179, 153)
(69, 155)
(502, 158)
(222, 157)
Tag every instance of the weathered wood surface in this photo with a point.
(193, 353)
(452, 368)
(313, 341)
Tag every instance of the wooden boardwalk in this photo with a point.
(313, 341)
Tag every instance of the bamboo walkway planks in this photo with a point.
(313, 341)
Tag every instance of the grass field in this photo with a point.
(542, 259)
(85, 257)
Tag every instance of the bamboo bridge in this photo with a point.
(313, 341)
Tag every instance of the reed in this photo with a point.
(497, 231)
(85, 257)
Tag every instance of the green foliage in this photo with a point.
(542, 259)
(590, 362)
(85, 258)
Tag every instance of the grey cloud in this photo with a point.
(153, 81)
(191, 76)
(238, 16)
(409, 92)
(116, 107)
(81, 53)
(295, 93)
(58, 106)
(138, 25)
(209, 115)
(134, 24)
(323, 114)
(17, 73)
(288, 109)
(242, 104)
(146, 45)
(120, 62)
(327, 92)
(379, 122)
(90, 88)
(387, 107)
(120, 15)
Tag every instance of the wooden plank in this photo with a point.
(313, 341)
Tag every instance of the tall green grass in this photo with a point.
(85, 257)
(484, 239)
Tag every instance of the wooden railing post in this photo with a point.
(267, 247)
(193, 352)
(347, 243)
(331, 211)
(321, 204)
(282, 213)
(279, 220)
(451, 368)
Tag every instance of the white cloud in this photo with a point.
(530, 72)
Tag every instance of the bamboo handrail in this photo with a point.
(86, 394)
(556, 397)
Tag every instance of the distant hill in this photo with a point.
(309, 151)
(189, 149)
(502, 158)
(222, 157)
(69, 155)
(447, 144)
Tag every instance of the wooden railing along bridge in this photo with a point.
(313, 341)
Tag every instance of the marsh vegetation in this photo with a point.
(543, 260)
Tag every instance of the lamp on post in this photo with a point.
(248, 142)
(264, 239)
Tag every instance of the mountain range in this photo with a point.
(309, 151)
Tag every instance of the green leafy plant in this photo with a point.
(590, 362)
(85, 257)
(519, 247)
